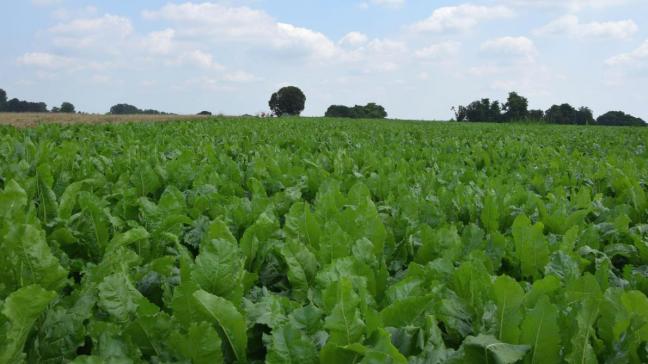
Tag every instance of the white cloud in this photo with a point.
(461, 18)
(218, 23)
(46, 2)
(635, 57)
(570, 25)
(516, 46)
(354, 39)
(200, 59)
(46, 60)
(572, 5)
(160, 42)
(438, 51)
(385, 3)
(92, 32)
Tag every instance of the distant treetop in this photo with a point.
(126, 109)
(288, 101)
(369, 111)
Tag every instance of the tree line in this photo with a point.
(291, 101)
(516, 109)
(15, 105)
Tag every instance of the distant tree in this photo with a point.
(205, 113)
(567, 114)
(15, 105)
(619, 118)
(3, 100)
(374, 111)
(516, 107)
(536, 115)
(56, 109)
(124, 109)
(369, 111)
(480, 111)
(338, 111)
(584, 116)
(561, 114)
(68, 108)
(287, 101)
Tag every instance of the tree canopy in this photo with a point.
(288, 101)
(516, 108)
(67, 107)
(369, 111)
(3, 99)
(126, 109)
(619, 118)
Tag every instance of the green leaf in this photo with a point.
(129, 237)
(508, 297)
(229, 320)
(582, 351)
(289, 345)
(27, 259)
(219, 269)
(12, 199)
(21, 308)
(63, 329)
(378, 350)
(490, 214)
(201, 344)
(408, 311)
(345, 324)
(530, 245)
(485, 349)
(119, 297)
(540, 330)
(262, 230)
(302, 267)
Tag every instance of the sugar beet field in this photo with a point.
(323, 241)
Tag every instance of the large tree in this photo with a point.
(288, 101)
(480, 111)
(67, 107)
(3, 100)
(124, 109)
(516, 107)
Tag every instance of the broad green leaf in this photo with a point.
(289, 345)
(541, 332)
(129, 237)
(219, 269)
(27, 259)
(201, 344)
(12, 199)
(229, 321)
(530, 245)
(508, 297)
(119, 298)
(21, 309)
(408, 311)
(379, 349)
(345, 324)
(485, 349)
(490, 214)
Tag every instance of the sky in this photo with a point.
(418, 58)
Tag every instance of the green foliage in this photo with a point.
(619, 118)
(321, 240)
(369, 111)
(288, 100)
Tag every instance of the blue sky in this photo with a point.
(416, 57)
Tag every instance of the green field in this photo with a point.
(323, 241)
